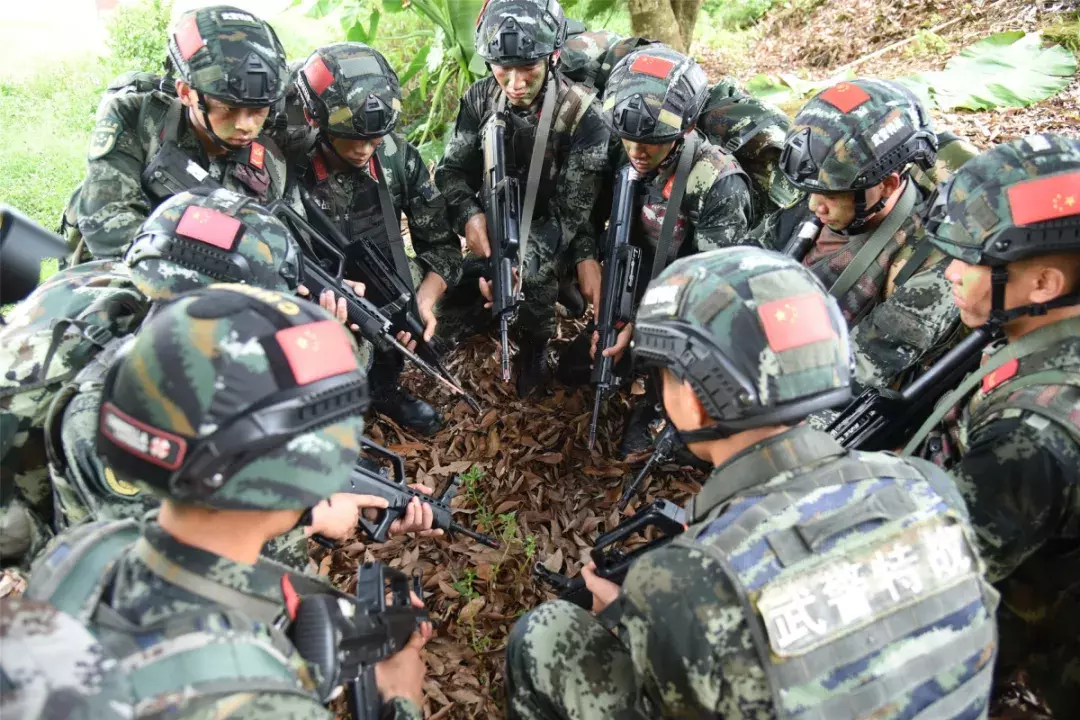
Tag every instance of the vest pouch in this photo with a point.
(172, 171)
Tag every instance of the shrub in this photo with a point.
(139, 34)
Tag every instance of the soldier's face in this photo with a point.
(971, 291)
(522, 83)
(1031, 281)
(837, 210)
(356, 152)
(646, 157)
(236, 126)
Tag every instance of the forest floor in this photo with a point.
(532, 480)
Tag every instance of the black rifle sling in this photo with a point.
(674, 205)
(392, 221)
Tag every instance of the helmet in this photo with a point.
(754, 333)
(851, 136)
(204, 236)
(519, 32)
(230, 55)
(351, 91)
(1018, 200)
(655, 94)
(236, 397)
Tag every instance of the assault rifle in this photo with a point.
(373, 325)
(803, 239)
(385, 288)
(662, 451)
(502, 208)
(612, 560)
(394, 489)
(621, 264)
(885, 419)
(25, 248)
(346, 637)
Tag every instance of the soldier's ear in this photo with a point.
(1051, 280)
(890, 184)
(184, 93)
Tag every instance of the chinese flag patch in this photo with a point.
(211, 227)
(1000, 375)
(793, 322)
(317, 350)
(292, 598)
(319, 167)
(318, 75)
(257, 158)
(845, 97)
(188, 39)
(1047, 198)
(655, 66)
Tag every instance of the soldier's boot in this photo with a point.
(575, 364)
(570, 296)
(531, 365)
(637, 435)
(406, 410)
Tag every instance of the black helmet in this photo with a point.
(351, 91)
(655, 94)
(519, 32)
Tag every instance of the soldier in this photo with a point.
(363, 175)
(521, 40)
(1010, 222)
(210, 408)
(653, 99)
(850, 149)
(146, 147)
(813, 581)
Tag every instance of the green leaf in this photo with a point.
(478, 66)
(595, 8)
(463, 14)
(1009, 69)
(416, 65)
(323, 8)
(431, 151)
(392, 6)
(358, 33)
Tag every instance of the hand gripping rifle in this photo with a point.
(885, 419)
(621, 264)
(612, 560)
(662, 451)
(345, 637)
(385, 288)
(373, 325)
(502, 208)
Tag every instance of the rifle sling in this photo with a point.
(536, 162)
(392, 221)
(674, 205)
(877, 241)
(1030, 344)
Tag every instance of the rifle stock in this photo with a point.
(665, 444)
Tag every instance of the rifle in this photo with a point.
(345, 637)
(502, 208)
(25, 248)
(373, 325)
(394, 489)
(662, 451)
(621, 264)
(884, 419)
(803, 239)
(396, 300)
(612, 561)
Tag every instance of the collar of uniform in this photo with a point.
(263, 580)
(795, 448)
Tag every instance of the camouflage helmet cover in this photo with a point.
(519, 32)
(1018, 200)
(201, 237)
(229, 54)
(589, 56)
(655, 94)
(351, 90)
(754, 333)
(236, 397)
(852, 135)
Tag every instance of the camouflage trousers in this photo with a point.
(562, 663)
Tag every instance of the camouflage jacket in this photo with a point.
(351, 199)
(715, 211)
(782, 592)
(574, 166)
(894, 329)
(115, 199)
(73, 315)
(139, 593)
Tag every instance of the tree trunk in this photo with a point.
(686, 14)
(655, 19)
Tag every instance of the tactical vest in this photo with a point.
(173, 664)
(59, 329)
(862, 589)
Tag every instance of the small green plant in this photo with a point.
(139, 35)
(464, 585)
(1065, 31)
(927, 43)
(480, 642)
(530, 547)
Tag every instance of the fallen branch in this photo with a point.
(893, 46)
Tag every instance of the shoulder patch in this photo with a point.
(103, 138)
(319, 168)
(257, 158)
(1003, 373)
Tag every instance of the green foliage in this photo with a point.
(927, 43)
(464, 585)
(736, 14)
(1065, 31)
(138, 35)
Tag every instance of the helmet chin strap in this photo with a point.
(999, 278)
(862, 214)
(230, 147)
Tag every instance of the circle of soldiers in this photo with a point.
(868, 332)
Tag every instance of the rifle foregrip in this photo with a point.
(363, 696)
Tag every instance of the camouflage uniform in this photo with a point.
(589, 56)
(166, 424)
(562, 232)
(213, 49)
(847, 139)
(1017, 459)
(784, 598)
